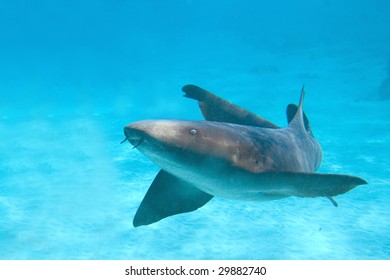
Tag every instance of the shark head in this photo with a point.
(180, 146)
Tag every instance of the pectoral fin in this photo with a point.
(216, 109)
(167, 196)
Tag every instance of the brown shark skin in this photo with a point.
(226, 157)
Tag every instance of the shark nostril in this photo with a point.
(134, 134)
(124, 140)
(139, 143)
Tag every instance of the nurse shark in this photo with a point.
(234, 154)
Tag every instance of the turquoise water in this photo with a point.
(73, 73)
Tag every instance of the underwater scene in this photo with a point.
(73, 74)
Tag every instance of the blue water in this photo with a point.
(73, 73)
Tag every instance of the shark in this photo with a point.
(233, 153)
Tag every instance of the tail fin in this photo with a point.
(308, 184)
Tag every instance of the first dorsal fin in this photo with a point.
(291, 111)
(297, 123)
(217, 109)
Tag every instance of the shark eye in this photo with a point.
(193, 131)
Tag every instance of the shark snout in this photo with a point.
(149, 131)
(134, 134)
(155, 134)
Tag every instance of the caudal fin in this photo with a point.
(307, 184)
